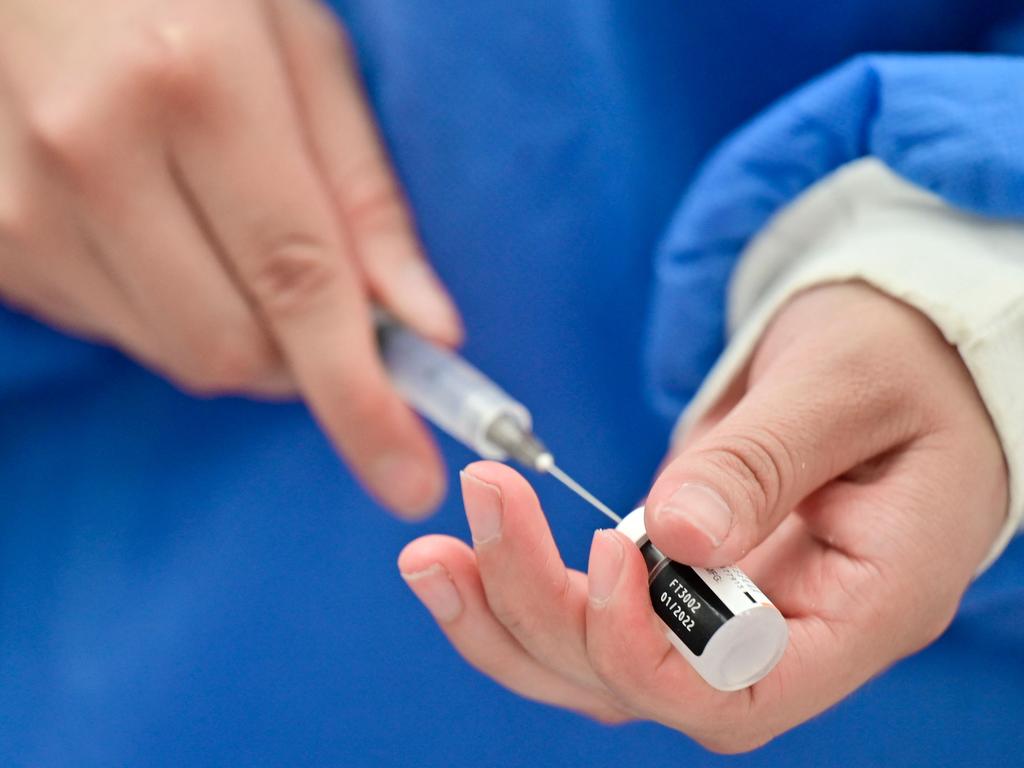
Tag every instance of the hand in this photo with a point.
(201, 184)
(853, 473)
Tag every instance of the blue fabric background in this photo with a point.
(187, 582)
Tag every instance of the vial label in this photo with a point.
(695, 602)
(734, 588)
(688, 605)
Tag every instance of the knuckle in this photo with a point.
(172, 58)
(293, 272)
(327, 31)
(734, 741)
(338, 38)
(730, 725)
(924, 631)
(236, 363)
(520, 625)
(513, 621)
(370, 201)
(605, 666)
(63, 134)
(917, 624)
(760, 460)
(610, 716)
(627, 683)
(193, 378)
(16, 217)
(938, 624)
(227, 362)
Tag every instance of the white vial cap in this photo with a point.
(633, 526)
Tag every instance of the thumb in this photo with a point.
(789, 435)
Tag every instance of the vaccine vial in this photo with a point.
(717, 618)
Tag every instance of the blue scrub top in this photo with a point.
(190, 583)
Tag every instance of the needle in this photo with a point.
(582, 492)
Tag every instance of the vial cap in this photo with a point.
(633, 526)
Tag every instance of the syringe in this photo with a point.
(467, 405)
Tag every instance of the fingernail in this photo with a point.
(605, 566)
(436, 590)
(483, 508)
(425, 299)
(702, 507)
(403, 483)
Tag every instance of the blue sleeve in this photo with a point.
(953, 124)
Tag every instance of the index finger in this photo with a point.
(244, 163)
(357, 170)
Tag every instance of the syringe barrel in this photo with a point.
(446, 389)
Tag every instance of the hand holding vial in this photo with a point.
(851, 471)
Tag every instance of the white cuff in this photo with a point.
(965, 273)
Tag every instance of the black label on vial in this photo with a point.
(687, 605)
